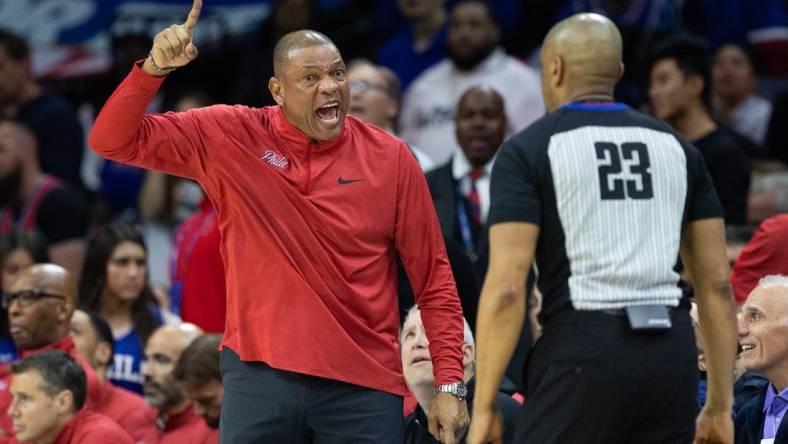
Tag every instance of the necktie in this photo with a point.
(473, 194)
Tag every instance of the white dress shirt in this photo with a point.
(460, 167)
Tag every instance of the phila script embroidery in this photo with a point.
(274, 159)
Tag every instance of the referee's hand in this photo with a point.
(448, 418)
(486, 428)
(714, 427)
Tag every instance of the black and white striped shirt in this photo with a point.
(611, 190)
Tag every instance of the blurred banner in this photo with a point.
(74, 37)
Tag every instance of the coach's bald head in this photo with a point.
(581, 58)
(310, 84)
(292, 42)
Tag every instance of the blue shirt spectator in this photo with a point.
(421, 44)
(762, 23)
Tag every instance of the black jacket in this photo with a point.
(749, 422)
(443, 189)
(417, 428)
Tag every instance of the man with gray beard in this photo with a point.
(176, 421)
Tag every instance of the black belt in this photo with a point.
(622, 312)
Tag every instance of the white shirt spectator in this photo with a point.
(423, 159)
(429, 105)
(751, 119)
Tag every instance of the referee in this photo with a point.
(605, 199)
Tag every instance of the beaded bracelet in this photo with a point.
(153, 62)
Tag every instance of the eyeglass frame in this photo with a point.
(364, 86)
(37, 295)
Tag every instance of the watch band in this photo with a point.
(457, 389)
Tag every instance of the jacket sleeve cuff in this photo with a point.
(448, 375)
(144, 81)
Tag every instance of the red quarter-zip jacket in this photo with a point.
(187, 428)
(310, 231)
(89, 427)
(129, 411)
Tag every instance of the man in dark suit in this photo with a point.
(461, 188)
(461, 193)
(763, 336)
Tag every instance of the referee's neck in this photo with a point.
(592, 92)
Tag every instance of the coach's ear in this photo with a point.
(277, 91)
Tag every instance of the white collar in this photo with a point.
(460, 167)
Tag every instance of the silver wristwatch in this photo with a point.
(457, 389)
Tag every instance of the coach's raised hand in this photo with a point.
(173, 47)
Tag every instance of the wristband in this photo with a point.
(157, 67)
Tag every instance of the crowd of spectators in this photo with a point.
(132, 278)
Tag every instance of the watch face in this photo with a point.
(457, 389)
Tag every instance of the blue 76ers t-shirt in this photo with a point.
(7, 351)
(125, 369)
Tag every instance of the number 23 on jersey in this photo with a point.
(624, 171)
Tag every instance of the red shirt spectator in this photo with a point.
(129, 410)
(183, 428)
(198, 275)
(95, 389)
(89, 427)
(765, 254)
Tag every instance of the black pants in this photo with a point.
(589, 379)
(265, 405)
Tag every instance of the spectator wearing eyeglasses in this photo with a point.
(376, 96)
(40, 305)
(18, 250)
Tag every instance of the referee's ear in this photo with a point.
(621, 72)
(556, 68)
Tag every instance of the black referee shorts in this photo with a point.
(589, 379)
(265, 405)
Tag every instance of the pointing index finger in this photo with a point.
(194, 14)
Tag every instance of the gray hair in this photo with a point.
(776, 183)
(773, 280)
(467, 334)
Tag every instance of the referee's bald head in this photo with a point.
(581, 56)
